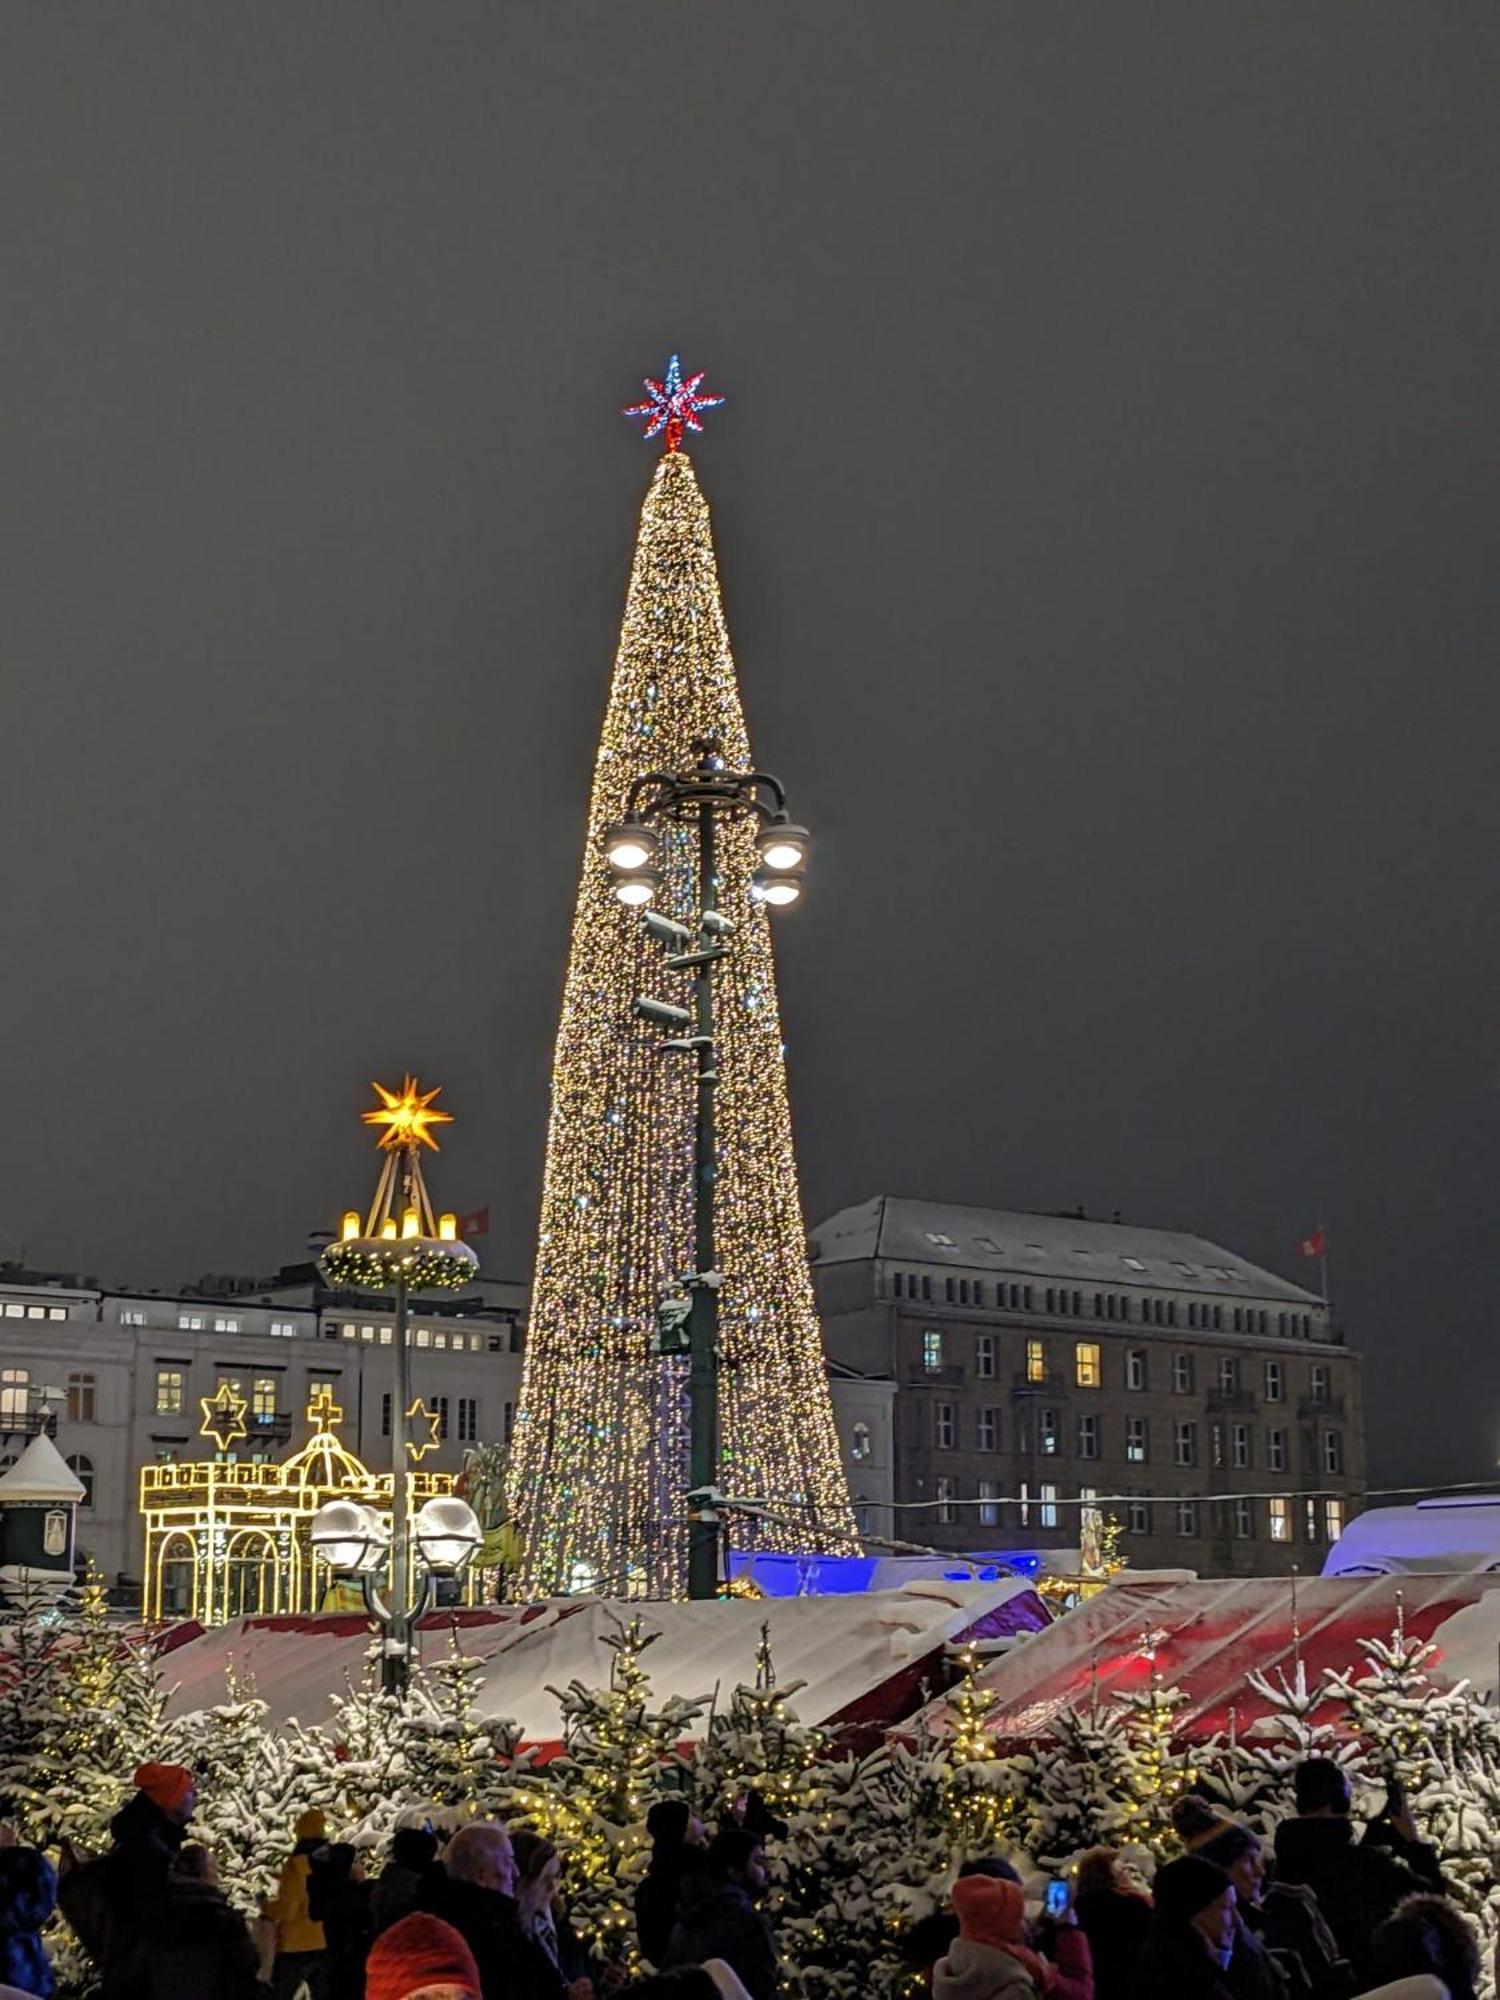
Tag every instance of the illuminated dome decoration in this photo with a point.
(598, 1478)
(400, 1242)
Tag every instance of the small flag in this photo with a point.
(1315, 1245)
(477, 1224)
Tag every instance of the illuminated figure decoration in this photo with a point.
(598, 1473)
(226, 1538)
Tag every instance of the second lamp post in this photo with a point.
(700, 798)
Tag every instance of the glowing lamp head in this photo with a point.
(783, 847)
(780, 891)
(353, 1223)
(637, 890)
(349, 1536)
(447, 1533)
(630, 846)
(447, 1229)
(388, 1230)
(411, 1222)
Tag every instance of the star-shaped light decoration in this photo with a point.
(418, 1415)
(323, 1413)
(223, 1416)
(406, 1114)
(672, 405)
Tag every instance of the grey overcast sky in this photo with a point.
(1106, 504)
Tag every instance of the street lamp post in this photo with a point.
(399, 1247)
(701, 797)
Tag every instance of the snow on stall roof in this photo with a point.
(1450, 1535)
(844, 1648)
(1207, 1638)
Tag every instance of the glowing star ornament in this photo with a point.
(223, 1416)
(417, 1416)
(406, 1114)
(672, 405)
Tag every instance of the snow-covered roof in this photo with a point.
(844, 1648)
(40, 1474)
(1044, 1246)
(1451, 1536)
(1207, 1638)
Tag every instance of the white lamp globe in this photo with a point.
(447, 1532)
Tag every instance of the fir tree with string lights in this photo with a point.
(598, 1472)
(981, 1803)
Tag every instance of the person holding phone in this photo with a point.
(1114, 1916)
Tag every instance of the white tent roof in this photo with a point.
(40, 1474)
(1454, 1537)
(843, 1648)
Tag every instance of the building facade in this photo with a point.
(1045, 1365)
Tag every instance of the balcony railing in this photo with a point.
(28, 1423)
(269, 1426)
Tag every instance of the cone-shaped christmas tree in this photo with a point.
(599, 1463)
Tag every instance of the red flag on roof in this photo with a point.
(477, 1224)
(1315, 1245)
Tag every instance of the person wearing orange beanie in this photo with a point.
(989, 1959)
(170, 1788)
(421, 1958)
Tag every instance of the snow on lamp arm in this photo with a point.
(672, 404)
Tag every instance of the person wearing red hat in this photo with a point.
(989, 1959)
(421, 1958)
(109, 1900)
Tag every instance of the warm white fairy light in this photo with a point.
(599, 1463)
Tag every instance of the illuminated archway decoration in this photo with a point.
(231, 1523)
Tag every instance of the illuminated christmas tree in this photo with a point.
(598, 1474)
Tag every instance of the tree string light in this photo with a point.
(598, 1468)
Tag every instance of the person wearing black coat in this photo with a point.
(474, 1890)
(398, 1888)
(1428, 1934)
(108, 1900)
(1115, 1919)
(338, 1898)
(28, 1896)
(676, 1852)
(191, 1942)
(1191, 1934)
(1358, 1885)
(718, 1918)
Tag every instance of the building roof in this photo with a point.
(40, 1474)
(1022, 1245)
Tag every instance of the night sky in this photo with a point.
(1106, 504)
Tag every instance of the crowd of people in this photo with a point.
(481, 1915)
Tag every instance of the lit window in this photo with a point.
(440, 1339)
(1333, 1451)
(15, 1394)
(1185, 1444)
(1244, 1519)
(1239, 1446)
(190, 1322)
(1273, 1382)
(14, 1311)
(1036, 1361)
(283, 1329)
(81, 1399)
(1135, 1440)
(367, 1336)
(1187, 1517)
(1135, 1368)
(263, 1398)
(424, 1336)
(1280, 1512)
(932, 1350)
(1046, 1512)
(1333, 1518)
(36, 1312)
(987, 1429)
(1023, 1494)
(82, 1470)
(989, 1504)
(984, 1355)
(348, 1332)
(1088, 1437)
(1049, 1442)
(169, 1392)
(944, 1427)
(947, 1513)
(131, 1316)
(1276, 1451)
(385, 1336)
(226, 1326)
(1087, 1371)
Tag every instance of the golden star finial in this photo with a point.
(406, 1115)
(418, 1415)
(223, 1416)
(323, 1413)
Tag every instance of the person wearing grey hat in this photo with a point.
(1191, 1935)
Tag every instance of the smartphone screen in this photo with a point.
(1057, 1897)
